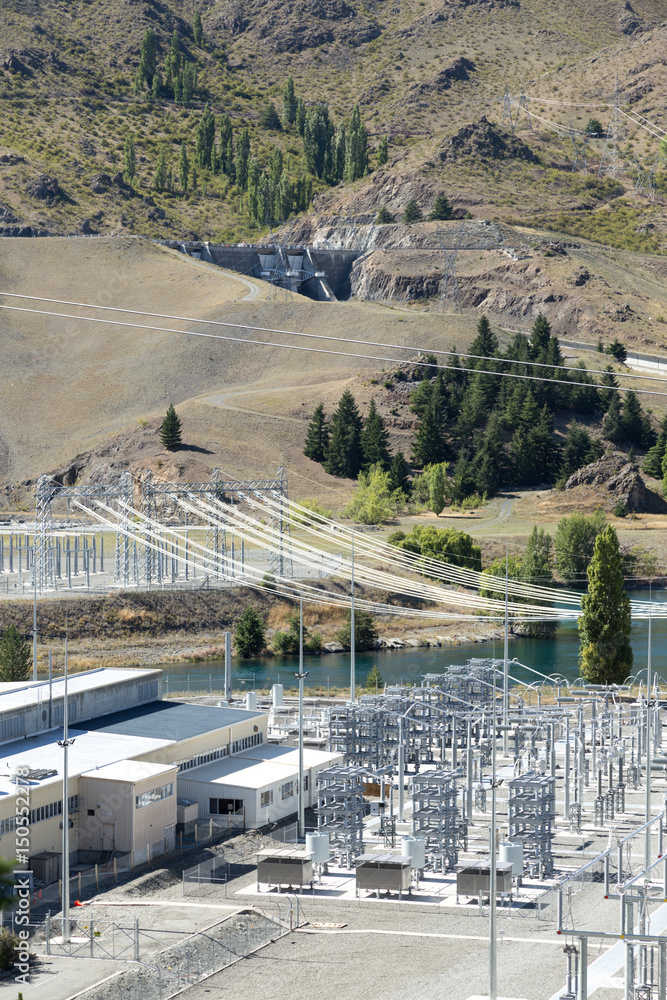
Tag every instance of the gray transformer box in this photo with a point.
(285, 868)
(475, 879)
(383, 871)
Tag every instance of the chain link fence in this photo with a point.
(168, 971)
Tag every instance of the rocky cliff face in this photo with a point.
(621, 479)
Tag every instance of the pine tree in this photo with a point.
(634, 423)
(605, 655)
(148, 58)
(612, 425)
(490, 462)
(160, 179)
(383, 151)
(289, 102)
(653, 462)
(15, 656)
(269, 117)
(130, 159)
(170, 430)
(610, 388)
(317, 436)
(577, 450)
(429, 445)
(197, 29)
(374, 440)
(412, 212)
(384, 216)
(184, 168)
(464, 484)
(344, 456)
(441, 210)
(540, 335)
(485, 344)
(398, 474)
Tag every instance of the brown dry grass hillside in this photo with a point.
(428, 73)
(69, 386)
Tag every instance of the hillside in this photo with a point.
(428, 74)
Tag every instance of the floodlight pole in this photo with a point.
(65, 743)
(34, 611)
(493, 967)
(353, 681)
(301, 676)
(649, 754)
(506, 682)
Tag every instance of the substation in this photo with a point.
(475, 793)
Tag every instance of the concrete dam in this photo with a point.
(320, 273)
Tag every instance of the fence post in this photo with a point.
(92, 938)
(47, 932)
(136, 939)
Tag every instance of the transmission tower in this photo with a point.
(645, 182)
(507, 118)
(449, 286)
(280, 557)
(610, 160)
(43, 568)
(126, 569)
(523, 103)
(216, 539)
(579, 152)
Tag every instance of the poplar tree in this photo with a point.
(184, 168)
(130, 159)
(170, 430)
(148, 58)
(383, 151)
(205, 138)
(198, 30)
(344, 457)
(160, 179)
(605, 654)
(289, 102)
(374, 440)
(317, 435)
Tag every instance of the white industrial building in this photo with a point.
(134, 760)
(261, 784)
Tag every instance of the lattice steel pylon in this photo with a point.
(610, 163)
(579, 147)
(449, 285)
(148, 562)
(216, 538)
(645, 182)
(44, 568)
(126, 570)
(523, 104)
(507, 118)
(280, 557)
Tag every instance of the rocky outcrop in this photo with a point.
(459, 70)
(485, 141)
(47, 189)
(287, 29)
(619, 477)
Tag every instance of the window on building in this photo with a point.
(287, 790)
(305, 782)
(221, 807)
(266, 799)
(154, 795)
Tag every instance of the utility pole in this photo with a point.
(493, 958)
(506, 669)
(65, 743)
(301, 676)
(353, 681)
(649, 752)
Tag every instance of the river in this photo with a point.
(558, 654)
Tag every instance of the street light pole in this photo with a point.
(301, 676)
(65, 743)
(649, 753)
(34, 610)
(493, 961)
(506, 669)
(353, 682)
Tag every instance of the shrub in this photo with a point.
(365, 632)
(249, 637)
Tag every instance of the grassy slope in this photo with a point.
(70, 118)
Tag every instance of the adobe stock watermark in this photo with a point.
(22, 878)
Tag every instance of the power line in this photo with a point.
(342, 354)
(309, 336)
